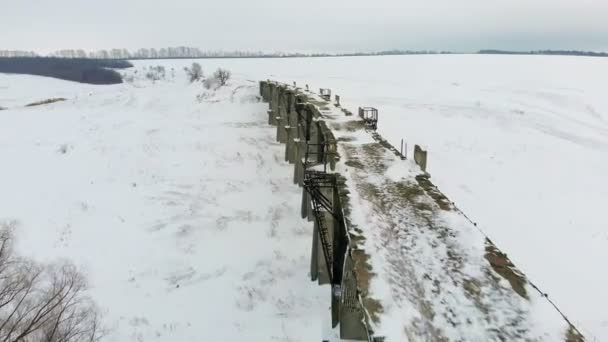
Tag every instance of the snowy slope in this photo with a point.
(182, 213)
(518, 142)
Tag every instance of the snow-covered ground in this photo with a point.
(181, 212)
(151, 181)
(520, 143)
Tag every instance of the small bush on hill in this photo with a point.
(222, 75)
(220, 78)
(195, 72)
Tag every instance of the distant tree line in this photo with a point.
(17, 53)
(93, 71)
(545, 52)
(190, 52)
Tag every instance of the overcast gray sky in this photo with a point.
(306, 25)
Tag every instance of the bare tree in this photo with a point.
(43, 303)
(222, 75)
(195, 72)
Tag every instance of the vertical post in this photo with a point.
(314, 263)
(329, 222)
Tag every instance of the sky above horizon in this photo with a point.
(306, 26)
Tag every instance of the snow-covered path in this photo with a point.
(181, 212)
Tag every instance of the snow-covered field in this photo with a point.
(148, 189)
(181, 213)
(520, 143)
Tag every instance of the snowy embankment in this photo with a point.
(518, 142)
(424, 272)
(180, 211)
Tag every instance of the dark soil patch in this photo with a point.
(504, 267)
(430, 188)
(363, 274)
(572, 335)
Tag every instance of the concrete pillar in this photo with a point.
(290, 147)
(315, 135)
(281, 123)
(305, 203)
(314, 263)
(297, 161)
(298, 176)
(272, 97)
(332, 150)
(329, 224)
(288, 143)
(263, 90)
(277, 122)
(352, 317)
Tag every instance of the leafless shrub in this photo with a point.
(222, 75)
(43, 303)
(195, 72)
(156, 73)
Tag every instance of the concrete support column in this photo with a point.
(281, 123)
(305, 203)
(352, 317)
(298, 173)
(277, 122)
(288, 143)
(272, 98)
(314, 263)
(297, 162)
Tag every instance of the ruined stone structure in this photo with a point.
(311, 147)
(303, 122)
